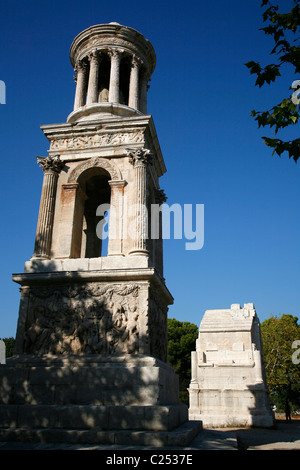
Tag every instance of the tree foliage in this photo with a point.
(283, 374)
(284, 28)
(10, 346)
(181, 341)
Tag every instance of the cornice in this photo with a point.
(113, 35)
(68, 139)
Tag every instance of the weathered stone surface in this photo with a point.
(65, 404)
(91, 346)
(182, 436)
(101, 417)
(228, 383)
(70, 316)
(88, 380)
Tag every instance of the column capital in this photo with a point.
(76, 189)
(141, 156)
(51, 164)
(94, 56)
(81, 65)
(115, 53)
(136, 61)
(117, 183)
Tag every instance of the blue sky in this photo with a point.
(201, 96)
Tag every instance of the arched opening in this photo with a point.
(94, 183)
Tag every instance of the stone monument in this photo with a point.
(2, 352)
(90, 360)
(228, 383)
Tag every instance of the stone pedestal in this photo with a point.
(90, 364)
(83, 311)
(228, 383)
(92, 399)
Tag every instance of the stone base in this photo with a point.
(88, 380)
(181, 436)
(92, 399)
(233, 420)
(231, 408)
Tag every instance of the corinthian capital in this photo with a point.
(139, 156)
(94, 56)
(53, 164)
(115, 53)
(81, 65)
(136, 61)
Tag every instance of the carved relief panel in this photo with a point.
(94, 318)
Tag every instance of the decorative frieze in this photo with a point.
(97, 140)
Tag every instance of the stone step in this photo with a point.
(95, 417)
(87, 380)
(180, 436)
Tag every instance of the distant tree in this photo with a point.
(284, 28)
(9, 345)
(283, 373)
(181, 341)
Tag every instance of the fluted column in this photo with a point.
(51, 167)
(114, 81)
(92, 92)
(81, 80)
(140, 158)
(133, 101)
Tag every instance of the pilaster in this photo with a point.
(70, 221)
(115, 239)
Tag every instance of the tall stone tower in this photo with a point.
(92, 331)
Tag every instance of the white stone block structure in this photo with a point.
(228, 383)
